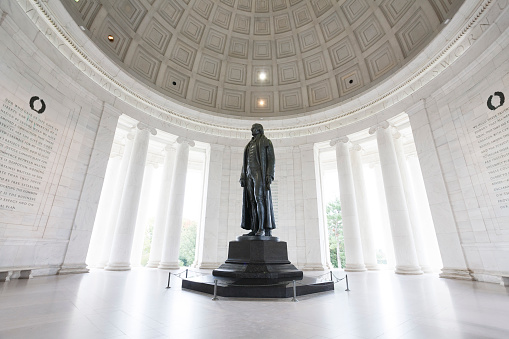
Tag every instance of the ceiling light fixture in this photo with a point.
(261, 103)
(111, 38)
(262, 76)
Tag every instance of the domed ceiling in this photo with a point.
(261, 58)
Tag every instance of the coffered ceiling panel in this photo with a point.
(261, 58)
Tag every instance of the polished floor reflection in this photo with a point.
(136, 304)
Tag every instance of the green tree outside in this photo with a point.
(147, 241)
(187, 242)
(336, 238)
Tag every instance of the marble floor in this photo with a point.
(136, 304)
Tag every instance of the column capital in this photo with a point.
(357, 148)
(182, 140)
(336, 141)
(384, 124)
(169, 147)
(142, 126)
(130, 135)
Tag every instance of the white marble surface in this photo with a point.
(415, 220)
(363, 209)
(351, 230)
(136, 304)
(404, 249)
(128, 210)
(156, 246)
(173, 229)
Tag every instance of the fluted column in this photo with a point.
(115, 201)
(413, 212)
(171, 242)
(103, 212)
(401, 229)
(208, 245)
(124, 230)
(142, 217)
(351, 232)
(363, 210)
(384, 222)
(156, 247)
(81, 232)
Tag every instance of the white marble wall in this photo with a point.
(54, 236)
(472, 231)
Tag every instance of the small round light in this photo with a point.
(261, 103)
(262, 76)
(111, 38)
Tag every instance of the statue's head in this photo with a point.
(256, 129)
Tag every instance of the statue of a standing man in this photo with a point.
(256, 177)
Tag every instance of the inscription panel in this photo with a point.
(27, 141)
(492, 138)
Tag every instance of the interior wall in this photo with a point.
(46, 155)
(462, 148)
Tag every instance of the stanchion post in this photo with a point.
(331, 276)
(294, 299)
(215, 290)
(346, 277)
(169, 276)
(186, 272)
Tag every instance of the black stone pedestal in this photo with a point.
(252, 257)
(257, 267)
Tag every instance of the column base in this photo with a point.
(169, 266)
(152, 264)
(118, 267)
(409, 270)
(355, 268)
(73, 269)
(371, 267)
(427, 269)
(314, 267)
(451, 273)
(208, 265)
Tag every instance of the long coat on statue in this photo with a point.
(267, 160)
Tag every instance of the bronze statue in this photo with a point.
(256, 177)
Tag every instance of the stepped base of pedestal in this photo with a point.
(256, 288)
(252, 257)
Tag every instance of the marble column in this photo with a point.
(79, 238)
(312, 223)
(384, 222)
(208, 255)
(401, 229)
(156, 246)
(363, 210)
(142, 217)
(115, 201)
(449, 242)
(171, 242)
(128, 211)
(351, 232)
(103, 211)
(413, 209)
(430, 237)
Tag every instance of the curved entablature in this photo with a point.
(448, 43)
